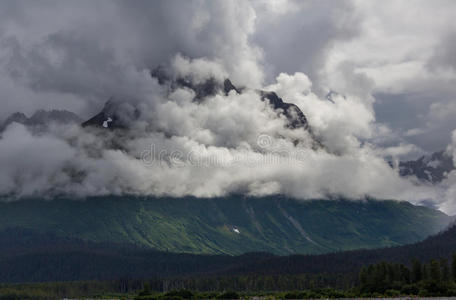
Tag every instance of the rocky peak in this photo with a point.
(431, 168)
(116, 114)
(17, 117)
(295, 116)
(112, 116)
(203, 89)
(42, 118)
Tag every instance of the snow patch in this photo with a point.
(106, 123)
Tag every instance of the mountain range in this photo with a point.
(231, 225)
(431, 168)
(28, 255)
(115, 115)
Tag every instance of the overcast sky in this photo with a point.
(389, 66)
(70, 54)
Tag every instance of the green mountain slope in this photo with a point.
(232, 225)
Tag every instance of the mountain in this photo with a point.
(294, 115)
(41, 119)
(16, 117)
(232, 225)
(431, 168)
(27, 255)
(441, 245)
(116, 114)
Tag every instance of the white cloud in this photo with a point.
(212, 148)
(76, 56)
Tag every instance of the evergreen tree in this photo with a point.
(417, 274)
(445, 271)
(404, 274)
(363, 277)
(453, 266)
(434, 270)
(424, 272)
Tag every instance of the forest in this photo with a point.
(436, 278)
(55, 268)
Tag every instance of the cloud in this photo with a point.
(338, 121)
(219, 145)
(304, 30)
(449, 185)
(94, 51)
(331, 60)
(32, 164)
(442, 111)
(443, 56)
(414, 132)
(405, 51)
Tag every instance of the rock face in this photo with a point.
(42, 118)
(431, 168)
(295, 116)
(209, 87)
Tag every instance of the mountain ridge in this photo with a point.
(432, 168)
(55, 258)
(231, 225)
(41, 119)
(113, 107)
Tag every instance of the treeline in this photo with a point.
(202, 286)
(352, 274)
(26, 256)
(435, 278)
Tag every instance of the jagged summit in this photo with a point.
(17, 117)
(228, 86)
(112, 116)
(431, 168)
(295, 116)
(42, 118)
(60, 116)
(203, 89)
